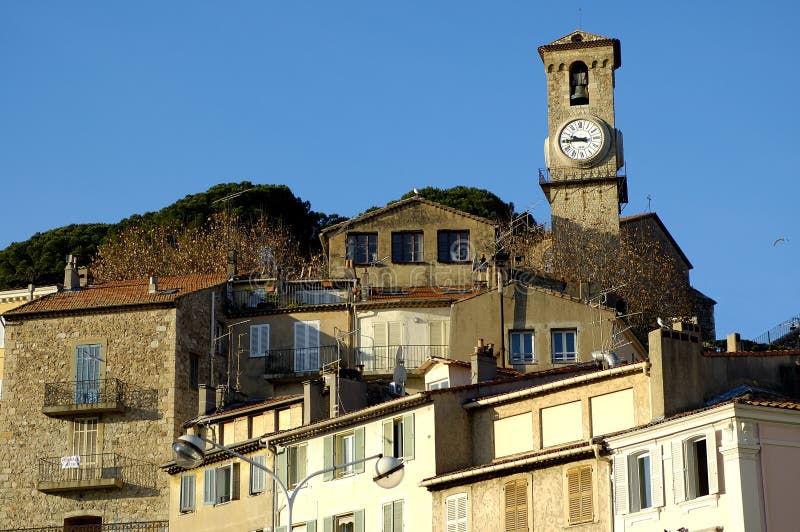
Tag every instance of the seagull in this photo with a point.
(662, 323)
(781, 239)
(416, 192)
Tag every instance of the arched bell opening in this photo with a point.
(578, 84)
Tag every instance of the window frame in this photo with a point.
(564, 356)
(392, 506)
(522, 358)
(640, 479)
(354, 245)
(259, 335)
(398, 436)
(258, 477)
(408, 247)
(332, 451)
(212, 483)
(438, 384)
(296, 464)
(187, 501)
(446, 239)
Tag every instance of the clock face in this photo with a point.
(581, 140)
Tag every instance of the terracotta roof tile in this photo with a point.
(773, 353)
(118, 294)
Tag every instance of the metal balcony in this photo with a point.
(275, 294)
(305, 360)
(145, 526)
(83, 397)
(382, 358)
(93, 471)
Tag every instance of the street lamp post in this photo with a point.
(189, 451)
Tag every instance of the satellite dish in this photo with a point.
(400, 375)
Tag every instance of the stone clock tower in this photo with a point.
(583, 152)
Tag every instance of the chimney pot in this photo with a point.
(152, 287)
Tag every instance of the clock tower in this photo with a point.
(583, 150)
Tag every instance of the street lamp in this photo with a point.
(190, 452)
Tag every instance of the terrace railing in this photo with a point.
(382, 358)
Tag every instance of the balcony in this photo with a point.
(145, 526)
(298, 361)
(275, 294)
(83, 397)
(382, 358)
(93, 471)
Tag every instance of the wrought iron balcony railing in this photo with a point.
(93, 395)
(309, 359)
(382, 358)
(272, 293)
(93, 471)
(145, 526)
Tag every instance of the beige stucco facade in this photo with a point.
(414, 215)
(149, 350)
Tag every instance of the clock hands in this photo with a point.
(576, 139)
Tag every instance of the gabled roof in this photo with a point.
(240, 409)
(116, 295)
(421, 370)
(582, 39)
(400, 205)
(629, 220)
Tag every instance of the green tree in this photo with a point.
(477, 201)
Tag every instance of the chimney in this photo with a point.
(483, 365)
(734, 343)
(207, 402)
(85, 276)
(232, 262)
(313, 402)
(31, 290)
(72, 280)
(365, 285)
(152, 287)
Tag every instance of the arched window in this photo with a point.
(578, 83)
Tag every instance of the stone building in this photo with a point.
(98, 382)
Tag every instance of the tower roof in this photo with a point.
(582, 39)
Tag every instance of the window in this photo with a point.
(87, 374)
(438, 385)
(349, 522)
(342, 448)
(398, 437)
(407, 247)
(638, 482)
(296, 464)
(220, 484)
(643, 488)
(453, 246)
(456, 513)
(362, 248)
(84, 444)
(258, 477)
(521, 347)
(187, 494)
(580, 507)
(259, 340)
(564, 346)
(393, 516)
(284, 418)
(516, 505)
(694, 467)
(306, 346)
(194, 370)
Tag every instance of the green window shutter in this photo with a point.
(388, 437)
(311, 526)
(358, 517)
(387, 517)
(281, 529)
(327, 457)
(301, 463)
(327, 524)
(359, 451)
(210, 486)
(408, 436)
(281, 466)
(235, 482)
(397, 515)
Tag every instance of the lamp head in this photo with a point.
(388, 472)
(189, 451)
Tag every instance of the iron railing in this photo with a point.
(144, 526)
(785, 334)
(98, 467)
(273, 293)
(304, 360)
(384, 357)
(83, 392)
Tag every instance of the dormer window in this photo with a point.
(578, 84)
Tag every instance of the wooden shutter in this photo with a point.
(187, 493)
(358, 519)
(395, 334)
(456, 513)
(579, 494)
(408, 437)
(234, 485)
(388, 437)
(358, 442)
(387, 517)
(621, 493)
(678, 472)
(657, 476)
(327, 457)
(210, 486)
(516, 505)
(379, 333)
(711, 454)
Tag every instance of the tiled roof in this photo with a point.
(239, 409)
(461, 363)
(788, 404)
(773, 353)
(118, 294)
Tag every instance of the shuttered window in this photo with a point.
(694, 467)
(187, 494)
(306, 346)
(259, 340)
(456, 513)
(258, 477)
(516, 505)
(398, 437)
(393, 516)
(579, 494)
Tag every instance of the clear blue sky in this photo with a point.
(113, 108)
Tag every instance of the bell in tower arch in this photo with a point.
(578, 84)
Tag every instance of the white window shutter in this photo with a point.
(621, 493)
(711, 453)
(657, 477)
(388, 437)
(395, 333)
(210, 486)
(379, 333)
(408, 437)
(678, 472)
